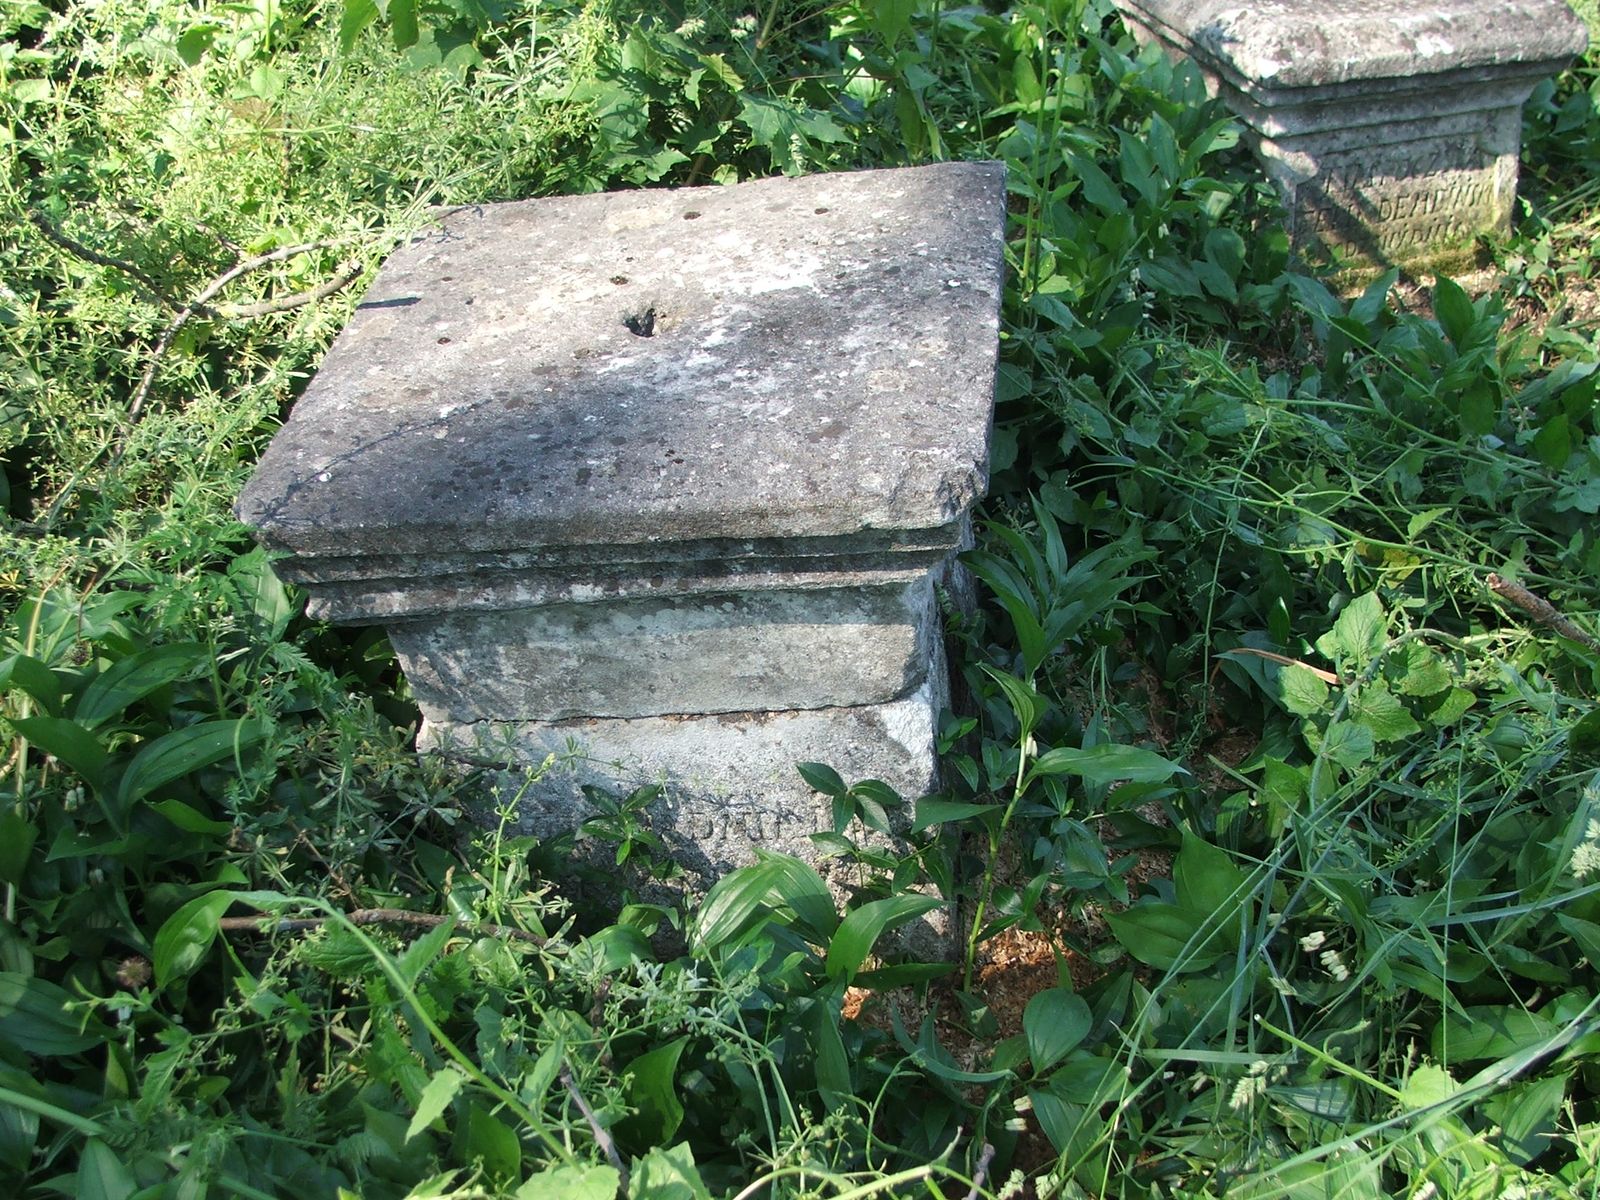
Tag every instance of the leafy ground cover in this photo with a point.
(1273, 821)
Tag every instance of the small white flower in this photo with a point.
(1313, 941)
(1246, 1090)
(1427, 1191)
(1585, 859)
(1334, 965)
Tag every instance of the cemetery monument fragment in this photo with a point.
(670, 476)
(1391, 128)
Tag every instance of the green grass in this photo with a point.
(1236, 561)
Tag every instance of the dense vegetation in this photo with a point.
(1293, 592)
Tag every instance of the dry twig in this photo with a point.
(201, 305)
(601, 1136)
(79, 250)
(1540, 610)
(266, 923)
(982, 1173)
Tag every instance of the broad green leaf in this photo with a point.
(775, 882)
(1376, 708)
(1301, 691)
(652, 1092)
(568, 1182)
(173, 755)
(1428, 1084)
(1454, 310)
(856, 935)
(612, 949)
(1098, 189)
(403, 23)
(933, 811)
(355, 17)
(494, 1142)
(186, 936)
(1359, 632)
(435, 1098)
(1553, 443)
(1349, 744)
(1021, 695)
(102, 1175)
(195, 41)
(188, 819)
(31, 91)
(68, 741)
(822, 778)
(1480, 409)
(1528, 1115)
(1055, 1021)
(1488, 1031)
(828, 1054)
(1061, 1122)
(17, 835)
(1426, 672)
(28, 674)
(133, 678)
(1160, 935)
(420, 955)
(1105, 764)
(1420, 521)
(668, 1174)
(1207, 881)
(35, 1018)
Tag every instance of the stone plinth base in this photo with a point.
(668, 479)
(729, 784)
(1392, 129)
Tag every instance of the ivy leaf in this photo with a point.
(1376, 708)
(1358, 634)
(1301, 692)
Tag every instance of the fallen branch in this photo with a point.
(201, 305)
(79, 250)
(1283, 660)
(266, 923)
(982, 1173)
(1540, 610)
(601, 1136)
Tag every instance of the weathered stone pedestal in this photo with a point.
(665, 478)
(1392, 127)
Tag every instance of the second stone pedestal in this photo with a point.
(1391, 129)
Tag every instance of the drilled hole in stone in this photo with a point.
(641, 324)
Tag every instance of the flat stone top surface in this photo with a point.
(789, 357)
(1311, 43)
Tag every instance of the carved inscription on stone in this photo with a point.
(1400, 202)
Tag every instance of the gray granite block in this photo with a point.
(1392, 130)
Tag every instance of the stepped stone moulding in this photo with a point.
(666, 479)
(1392, 128)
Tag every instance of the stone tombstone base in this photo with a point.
(1392, 128)
(664, 484)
